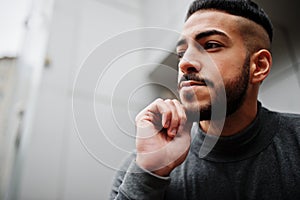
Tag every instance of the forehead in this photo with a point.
(205, 20)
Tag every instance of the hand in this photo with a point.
(163, 136)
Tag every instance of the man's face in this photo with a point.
(212, 58)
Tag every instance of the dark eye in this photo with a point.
(180, 54)
(211, 45)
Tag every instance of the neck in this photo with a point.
(234, 123)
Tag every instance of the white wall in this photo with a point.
(76, 158)
(57, 166)
(281, 90)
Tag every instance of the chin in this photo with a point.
(197, 111)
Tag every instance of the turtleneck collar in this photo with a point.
(240, 146)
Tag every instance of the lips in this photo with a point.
(192, 83)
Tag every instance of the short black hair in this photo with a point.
(243, 8)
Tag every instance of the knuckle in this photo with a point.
(158, 100)
(175, 101)
(136, 118)
(169, 101)
(167, 112)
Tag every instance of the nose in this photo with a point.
(189, 63)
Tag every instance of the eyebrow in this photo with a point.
(202, 35)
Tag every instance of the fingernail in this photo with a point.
(174, 131)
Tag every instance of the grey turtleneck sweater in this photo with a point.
(261, 162)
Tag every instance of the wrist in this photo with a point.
(162, 171)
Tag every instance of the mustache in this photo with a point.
(195, 77)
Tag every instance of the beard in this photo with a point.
(235, 89)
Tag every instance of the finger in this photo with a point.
(153, 112)
(175, 119)
(166, 113)
(160, 107)
(185, 124)
(181, 112)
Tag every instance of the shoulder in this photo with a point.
(284, 126)
(287, 121)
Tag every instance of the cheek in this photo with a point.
(226, 69)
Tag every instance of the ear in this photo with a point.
(260, 66)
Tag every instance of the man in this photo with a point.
(257, 155)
